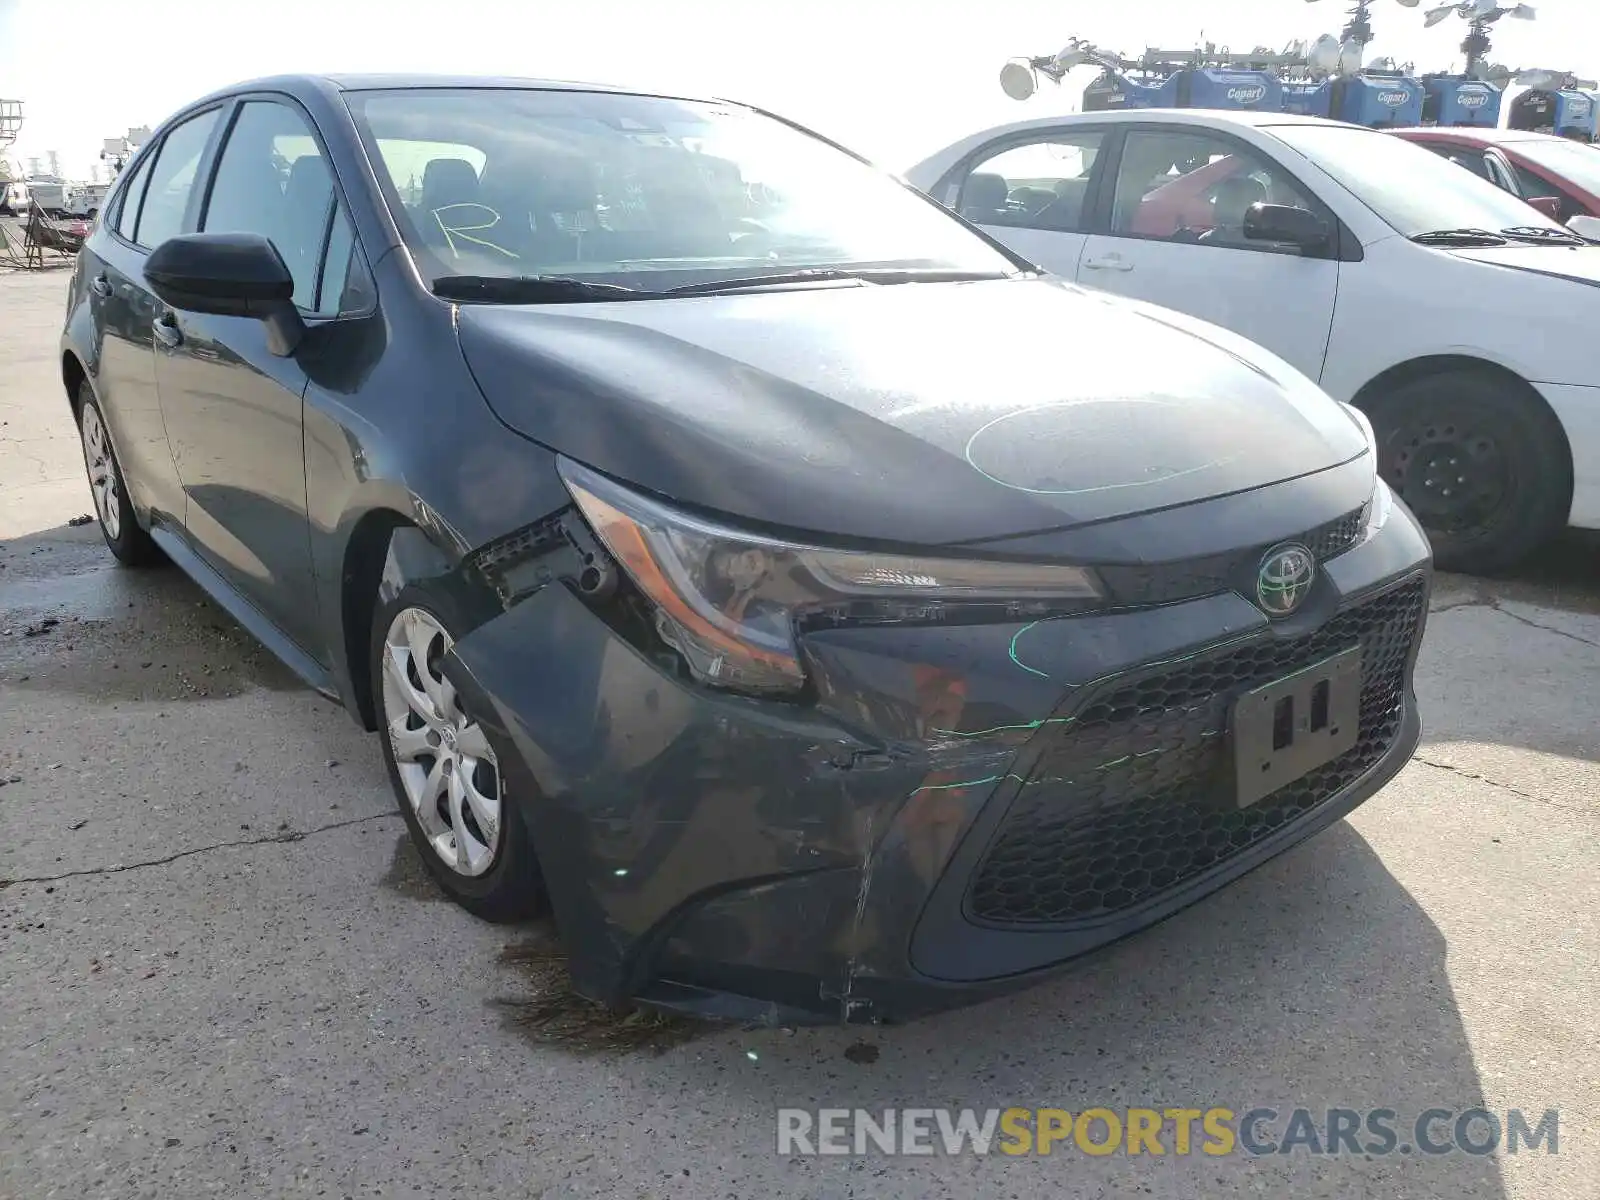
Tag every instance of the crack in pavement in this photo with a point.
(1494, 604)
(288, 835)
(1495, 783)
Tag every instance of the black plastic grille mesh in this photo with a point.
(1163, 583)
(1334, 538)
(1136, 795)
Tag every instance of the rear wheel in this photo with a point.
(1482, 464)
(446, 774)
(118, 525)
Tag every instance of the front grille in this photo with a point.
(1164, 583)
(1334, 538)
(1135, 796)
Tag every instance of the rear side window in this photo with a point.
(1471, 160)
(1042, 184)
(132, 194)
(273, 180)
(172, 180)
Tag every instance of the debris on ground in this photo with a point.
(41, 627)
(862, 1052)
(83, 519)
(556, 1015)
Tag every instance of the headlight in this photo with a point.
(1382, 502)
(728, 601)
(1378, 510)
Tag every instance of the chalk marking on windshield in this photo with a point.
(465, 232)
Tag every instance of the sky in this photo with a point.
(893, 79)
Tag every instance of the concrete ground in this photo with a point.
(223, 973)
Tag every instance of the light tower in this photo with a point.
(1479, 15)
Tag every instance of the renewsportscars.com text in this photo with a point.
(1214, 1131)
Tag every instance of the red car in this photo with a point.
(1557, 175)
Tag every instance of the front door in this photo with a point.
(232, 407)
(150, 208)
(1032, 195)
(1176, 239)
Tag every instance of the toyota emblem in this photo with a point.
(1284, 579)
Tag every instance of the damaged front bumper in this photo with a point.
(960, 810)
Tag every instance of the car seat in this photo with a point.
(985, 198)
(304, 219)
(447, 183)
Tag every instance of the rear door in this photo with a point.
(150, 208)
(1032, 192)
(1177, 200)
(232, 407)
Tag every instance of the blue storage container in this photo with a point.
(1575, 111)
(1455, 101)
(1308, 99)
(1113, 91)
(1251, 91)
(1379, 101)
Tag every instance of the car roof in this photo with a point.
(1176, 116)
(301, 84)
(1478, 135)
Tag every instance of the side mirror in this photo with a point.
(1550, 206)
(1586, 227)
(229, 275)
(1285, 223)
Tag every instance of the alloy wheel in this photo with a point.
(104, 483)
(446, 766)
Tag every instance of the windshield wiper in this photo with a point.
(1459, 237)
(884, 275)
(515, 289)
(1544, 235)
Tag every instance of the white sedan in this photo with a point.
(1461, 321)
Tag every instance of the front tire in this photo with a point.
(445, 773)
(119, 526)
(1483, 466)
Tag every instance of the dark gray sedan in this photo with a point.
(822, 611)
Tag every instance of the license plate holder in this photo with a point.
(1284, 730)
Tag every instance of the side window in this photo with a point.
(1532, 185)
(1471, 160)
(1193, 186)
(1042, 184)
(345, 285)
(166, 198)
(273, 180)
(132, 194)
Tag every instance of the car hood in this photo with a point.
(917, 414)
(1580, 264)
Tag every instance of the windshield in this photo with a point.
(638, 191)
(1411, 188)
(1576, 162)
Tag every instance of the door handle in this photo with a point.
(165, 327)
(1109, 263)
(100, 286)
